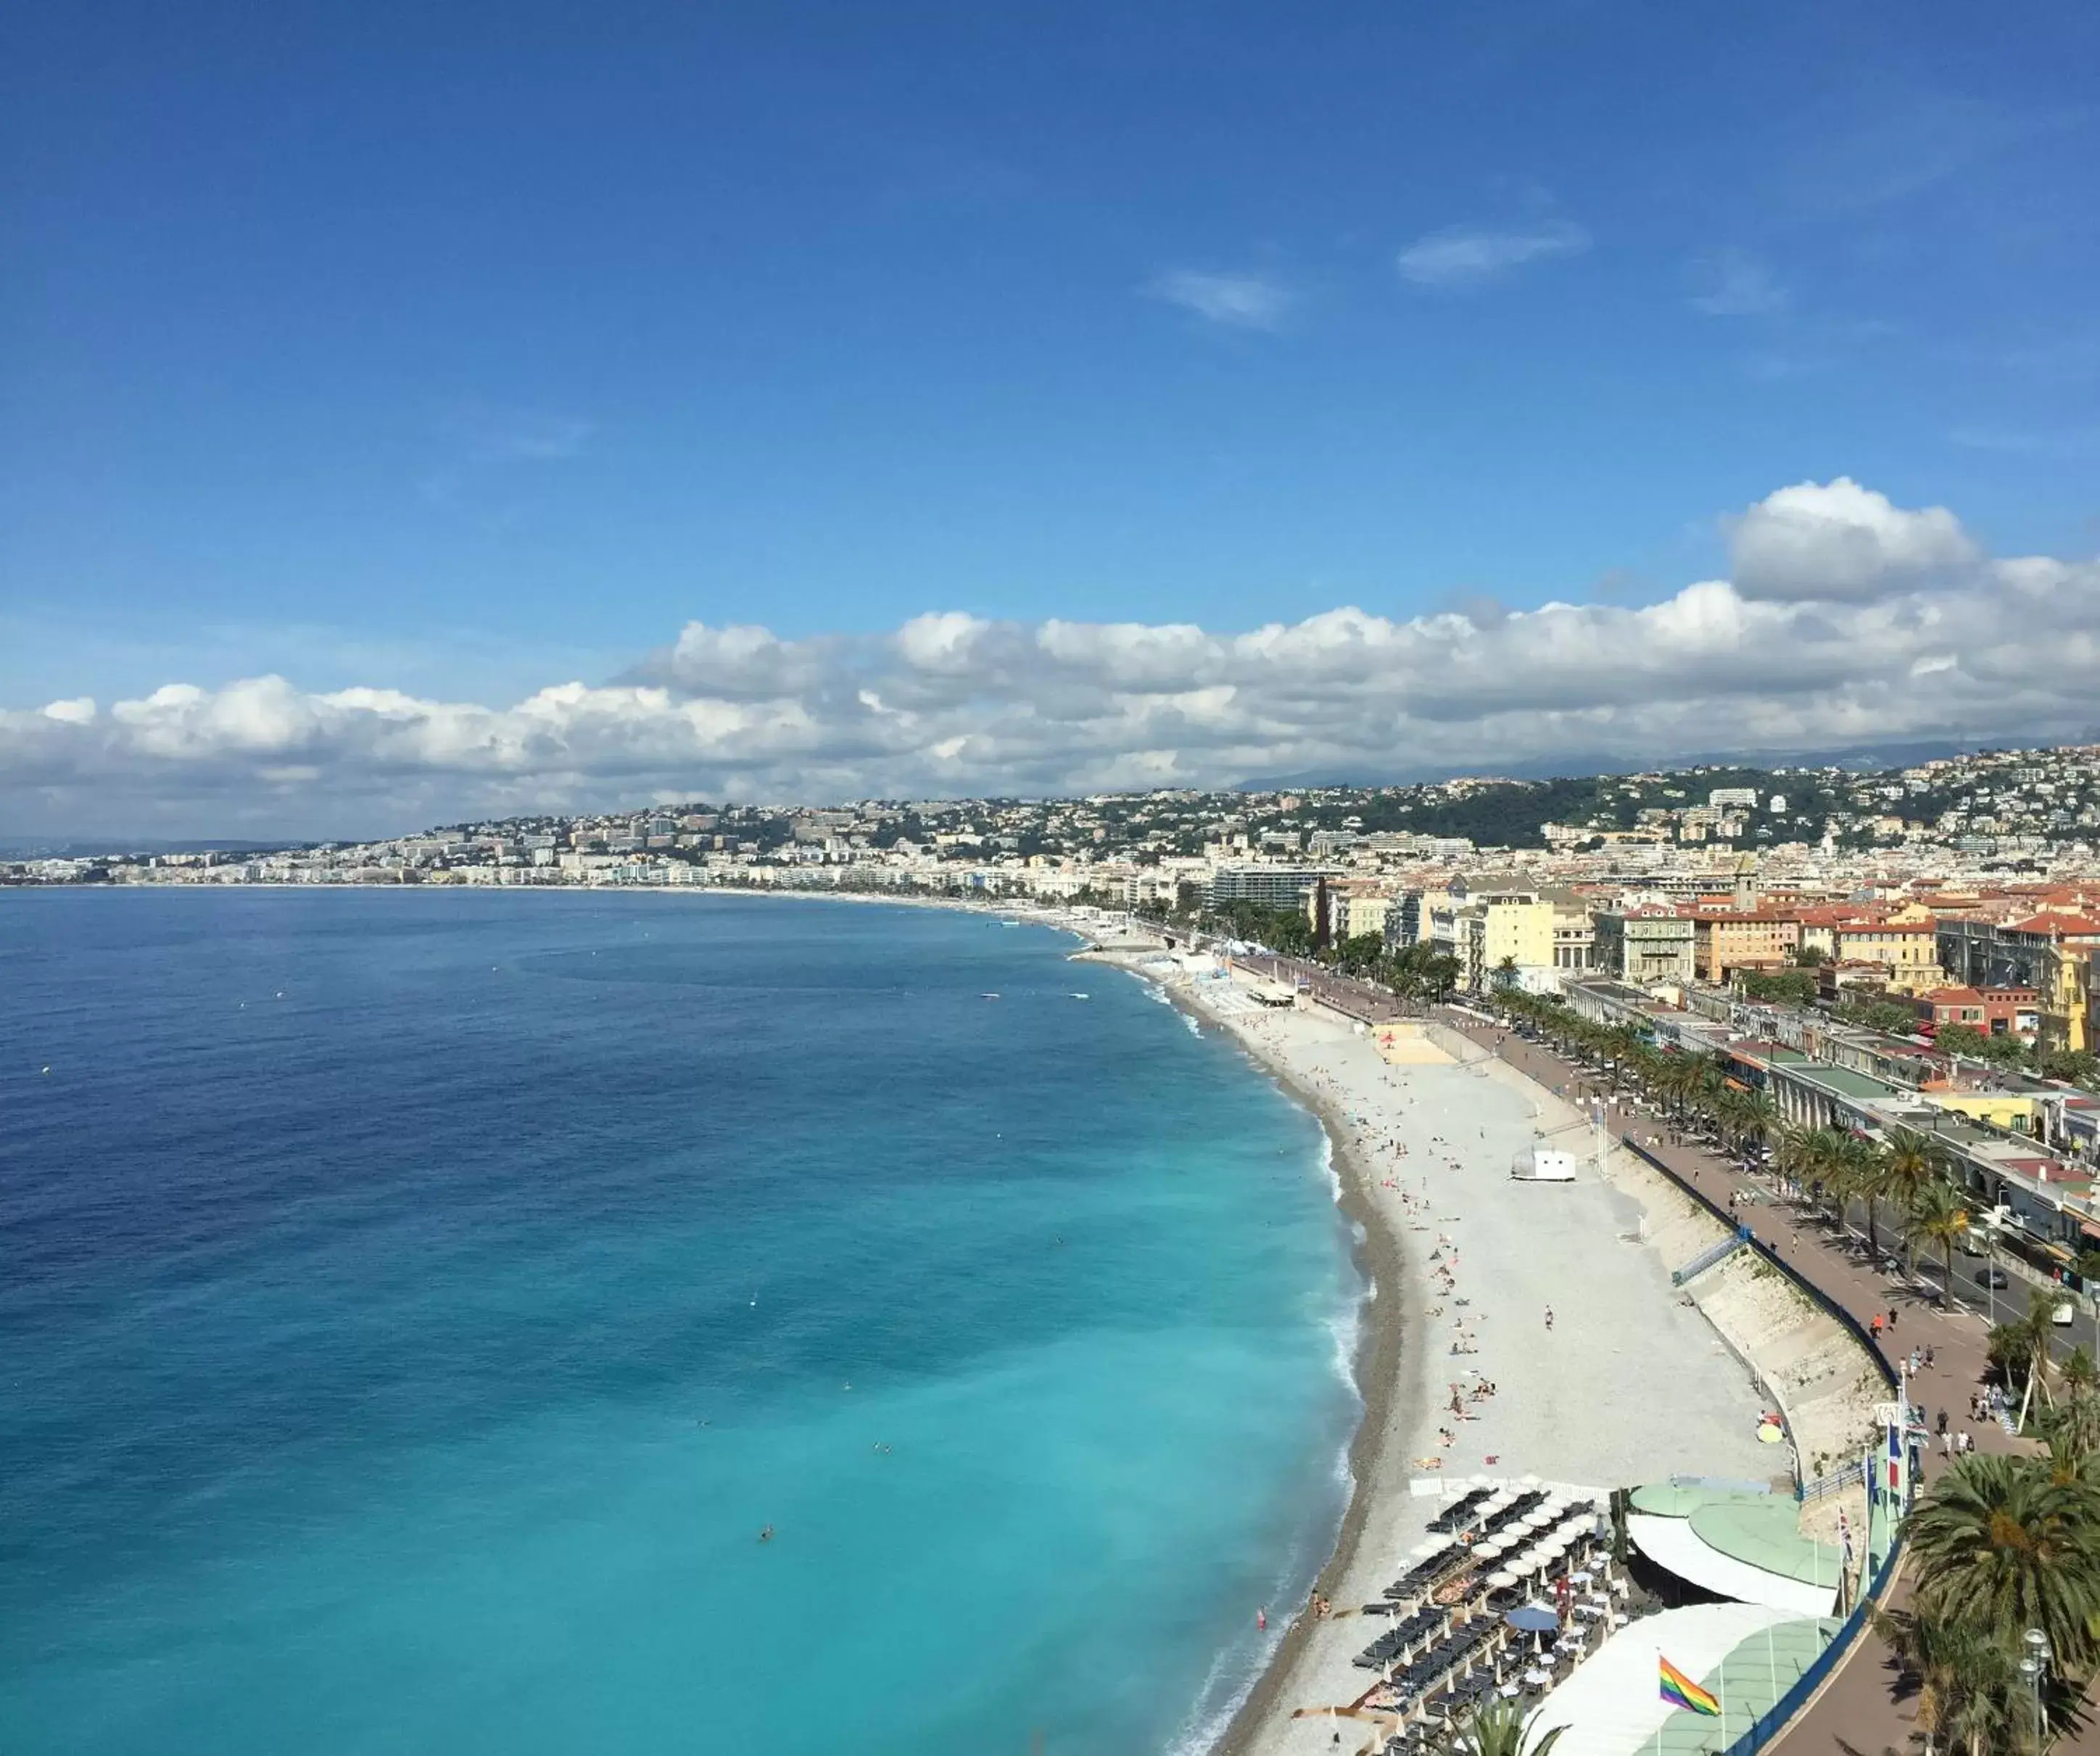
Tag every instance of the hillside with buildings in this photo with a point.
(1959, 895)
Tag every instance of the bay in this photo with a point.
(418, 1303)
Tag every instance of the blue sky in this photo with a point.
(461, 350)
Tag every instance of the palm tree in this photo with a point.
(1907, 1169)
(1798, 1157)
(1966, 1681)
(2079, 1372)
(1823, 1163)
(1619, 1047)
(1498, 1731)
(1703, 1086)
(1939, 1216)
(2035, 1331)
(2004, 1544)
(2072, 1428)
(1757, 1119)
(1848, 1169)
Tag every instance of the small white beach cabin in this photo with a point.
(1543, 1164)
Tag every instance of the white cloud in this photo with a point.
(1462, 256)
(1234, 301)
(1848, 619)
(1733, 283)
(1837, 540)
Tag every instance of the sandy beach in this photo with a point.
(1628, 1382)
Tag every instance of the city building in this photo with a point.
(1644, 947)
(1724, 941)
(1266, 887)
(1995, 1011)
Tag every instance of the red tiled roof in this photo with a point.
(2051, 921)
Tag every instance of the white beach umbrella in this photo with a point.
(1530, 1481)
(1537, 1520)
(1502, 1579)
(1424, 1551)
(1489, 1550)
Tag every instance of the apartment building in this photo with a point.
(1496, 933)
(1356, 906)
(1645, 947)
(1995, 1011)
(1728, 940)
(1270, 887)
(2051, 952)
(1908, 950)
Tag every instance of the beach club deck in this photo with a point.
(1745, 1546)
(1746, 1656)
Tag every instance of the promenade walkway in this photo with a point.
(1365, 1001)
(1864, 1710)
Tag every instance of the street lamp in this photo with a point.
(2034, 1667)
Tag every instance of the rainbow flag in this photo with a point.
(1680, 1691)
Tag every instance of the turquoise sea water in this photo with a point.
(415, 1304)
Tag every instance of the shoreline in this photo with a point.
(1388, 1373)
(1389, 1377)
(1425, 1146)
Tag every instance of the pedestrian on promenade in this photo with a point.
(1943, 1423)
(1928, 1359)
(1892, 1319)
(1874, 1328)
(1549, 1316)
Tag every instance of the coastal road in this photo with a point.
(1863, 1710)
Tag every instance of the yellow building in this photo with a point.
(1496, 933)
(2001, 1109)
(1908, 950)
(1367, 913)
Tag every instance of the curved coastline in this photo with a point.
(1389, 1375)
(1389, 1367)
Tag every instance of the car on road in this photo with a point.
(1993, 1278)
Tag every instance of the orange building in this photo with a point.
(1728, 940)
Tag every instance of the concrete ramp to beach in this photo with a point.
(1405, 1043)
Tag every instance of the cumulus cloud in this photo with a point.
(1848, 619)
(1232, 301)
(1839, 541)
(1461, 256)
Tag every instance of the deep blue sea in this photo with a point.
(414, 1305)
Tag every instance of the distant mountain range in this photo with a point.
(53, 848)
(1861, 760)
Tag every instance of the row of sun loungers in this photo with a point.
(1426, 1572)
(1401, 1636)
(1455, 1516)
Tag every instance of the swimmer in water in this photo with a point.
(766, 1534)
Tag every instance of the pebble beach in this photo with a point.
(1517, 1329)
